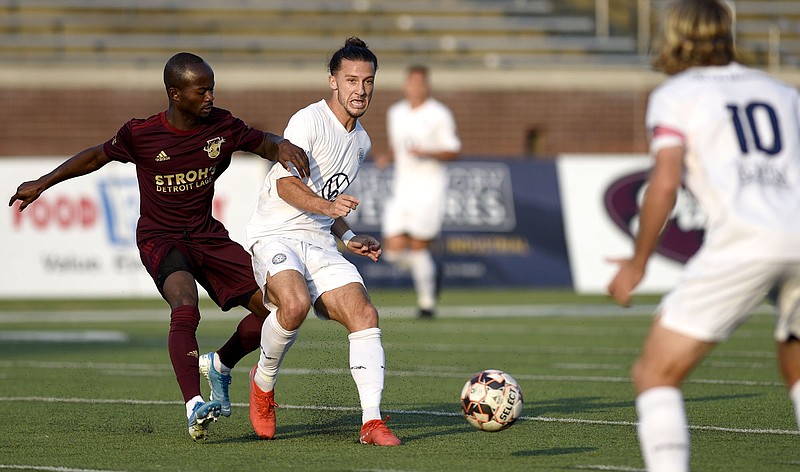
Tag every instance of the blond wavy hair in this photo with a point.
(695, 33)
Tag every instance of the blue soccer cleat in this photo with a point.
(202, 416)
(218, 382)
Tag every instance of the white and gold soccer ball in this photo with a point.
(491, 400)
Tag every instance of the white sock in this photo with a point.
(191, 403)
(275, 342)
(663, 429)
(794, 394)
(423, 271)
(397, 258)
(367, 369)
(220, 367)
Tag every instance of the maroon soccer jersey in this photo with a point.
(177, 169)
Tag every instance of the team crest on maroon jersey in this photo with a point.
(214, 146)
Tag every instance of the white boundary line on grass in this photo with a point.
(137, 369)
(122, 401)
(465, 311)
(50, 469)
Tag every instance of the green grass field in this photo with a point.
(95, 391)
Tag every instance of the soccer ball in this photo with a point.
(491, 400)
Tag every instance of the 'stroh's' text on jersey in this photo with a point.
(176, 169)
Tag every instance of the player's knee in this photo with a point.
(647, 374)
(292, 312)
(369, 316)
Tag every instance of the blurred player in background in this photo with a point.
(295, 257)
(422, 136)
(179, 154)
(734, 132)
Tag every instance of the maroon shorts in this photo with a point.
(221, 266)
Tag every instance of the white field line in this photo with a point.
(608, 467)
(123, 401)
(473, 311)
(85, 336)
(49, 469)
(122, 368)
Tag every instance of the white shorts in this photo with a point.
(324, 269)
(419, 218)
(713, 299)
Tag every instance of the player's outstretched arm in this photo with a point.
(85, 162)
(281, 150)
(662, 191)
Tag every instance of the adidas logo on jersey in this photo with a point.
(162, 156)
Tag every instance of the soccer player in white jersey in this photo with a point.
(295, 258)
(422, 136)
(733, 131)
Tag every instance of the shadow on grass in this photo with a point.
(335, 426)
(553, 451)
(575, 405)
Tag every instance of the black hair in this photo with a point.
(354, 49)
(175, 69)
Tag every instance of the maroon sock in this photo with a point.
(182, 344)
(245, 340)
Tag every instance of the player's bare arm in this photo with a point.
(296, 193)
(85, 162)
(360, 244)
(279, 149)
(662, 191)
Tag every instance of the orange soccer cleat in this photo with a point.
(262, 409)
(376, 433)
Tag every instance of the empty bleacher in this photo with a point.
(497, 34)
(457, 33)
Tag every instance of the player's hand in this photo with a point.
(342, 206)
(365, 245)
(27, 192)
(627, 279)
(290, 155)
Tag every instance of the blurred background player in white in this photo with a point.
(295, 256)
(422, 135)
(734, 131)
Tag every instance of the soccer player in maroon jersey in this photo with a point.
(179, 154)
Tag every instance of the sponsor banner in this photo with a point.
(502, 226)
(79, 238)
(601, 196)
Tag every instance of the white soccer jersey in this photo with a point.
(741, 131)
(334, 155)
(429, 127)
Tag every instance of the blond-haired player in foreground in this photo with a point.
(732, 132)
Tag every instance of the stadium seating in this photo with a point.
(453, 33)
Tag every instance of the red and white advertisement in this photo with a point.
(78, 239)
